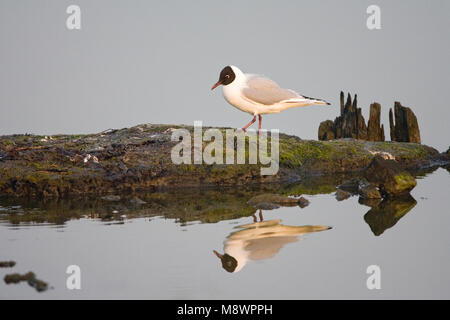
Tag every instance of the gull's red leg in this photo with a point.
(249, 124)
(260, 120)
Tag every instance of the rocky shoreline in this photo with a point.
(138, 158)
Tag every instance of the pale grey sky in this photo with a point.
(155, 62)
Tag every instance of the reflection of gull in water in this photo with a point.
(258, 241)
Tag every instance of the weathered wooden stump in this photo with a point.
(375, 132)
(405, 128)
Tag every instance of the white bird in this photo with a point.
(257, 95)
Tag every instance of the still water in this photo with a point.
(163, 248)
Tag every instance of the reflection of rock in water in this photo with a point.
(385, 214)
(208, 205)
(7, 264)
(29, 277)
(259, 241)
(269, 201)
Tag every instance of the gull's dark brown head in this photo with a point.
(227, 76)
(228, 262)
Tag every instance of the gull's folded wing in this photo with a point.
(265, 91)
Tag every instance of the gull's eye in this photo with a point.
(227, 76)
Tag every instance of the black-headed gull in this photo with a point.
(257, 95)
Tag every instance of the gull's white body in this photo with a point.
(258, 95)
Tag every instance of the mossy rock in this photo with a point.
(389, 177)
(139, 158)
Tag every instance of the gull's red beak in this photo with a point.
(216, 85)
(215, 252)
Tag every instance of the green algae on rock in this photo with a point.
(139, 158)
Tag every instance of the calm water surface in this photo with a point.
(164, 249)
